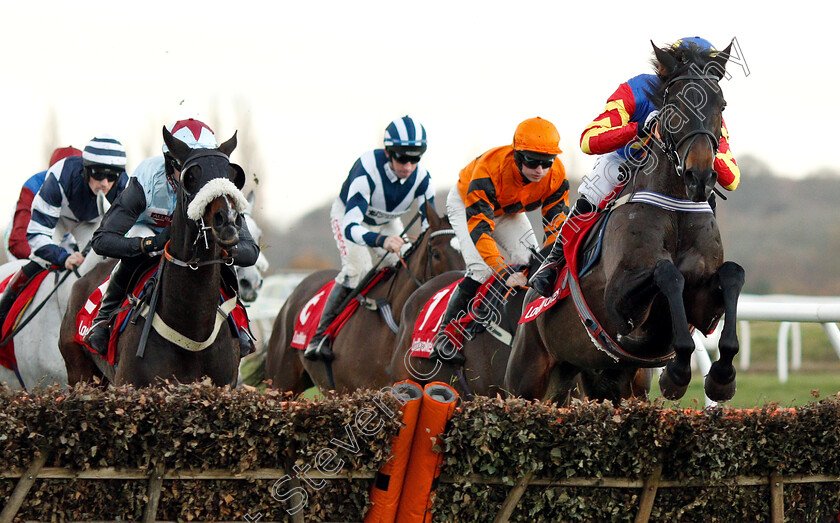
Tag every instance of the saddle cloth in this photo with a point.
(476, 318)
(310, 315)
(7, 351)
(577, 244)
(86, 315)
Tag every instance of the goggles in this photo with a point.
(102, 173)
(404, 158)
(532, 163)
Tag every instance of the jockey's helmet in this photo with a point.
(63, 152)
(701, 43)
(406, 137)
(104, 154)
(194, 133)
(538, 136)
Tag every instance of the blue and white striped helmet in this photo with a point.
(406, 136)
(104, 150)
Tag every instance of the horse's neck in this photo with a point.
(659, 175)
(404, 284)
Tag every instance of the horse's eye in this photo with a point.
(723, 106)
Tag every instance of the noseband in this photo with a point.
(672, 147)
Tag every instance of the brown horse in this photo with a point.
(205, 223)
(661, 271)
(486, 355)
(364, 345)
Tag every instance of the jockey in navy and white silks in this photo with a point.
(365, 218)
(137, 224)
(66, 203)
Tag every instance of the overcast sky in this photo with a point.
(316, 83)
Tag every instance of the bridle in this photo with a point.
(672, 146)
(428, 269)
(194, 263)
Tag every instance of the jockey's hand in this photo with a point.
(646, 129)
(393, 243)
(155, 243)
(517, 279)
(73, 261)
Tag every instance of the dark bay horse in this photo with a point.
(364, 345)
(205, 224)
(661, 271)
(486, 355)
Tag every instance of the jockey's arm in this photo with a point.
(612, 129)
(246, 252)
(729, 174)
(109, 239)
(46, 211)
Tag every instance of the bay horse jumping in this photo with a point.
(364, 345)
(661, 271)
(205, 225)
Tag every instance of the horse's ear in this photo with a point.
(665, 59)
(229, 145)
(178, 149)
(719, 62)
(237, 176)
(252, 198)
(432, 216)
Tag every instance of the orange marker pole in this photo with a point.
(386, 489)
(439, 400)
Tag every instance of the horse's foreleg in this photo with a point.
(529, 365)
(720, 382)
(675, 379)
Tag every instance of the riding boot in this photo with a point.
(319, 346)
(99, 334)
(458, 302)
(545, 278)
(15, 286)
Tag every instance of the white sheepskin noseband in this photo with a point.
(212, 190)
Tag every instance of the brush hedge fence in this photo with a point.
(197, 452)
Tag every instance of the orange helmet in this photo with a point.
(537, 135)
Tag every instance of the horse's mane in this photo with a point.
(688, 58)
(415, 245)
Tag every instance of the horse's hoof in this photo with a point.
(671, 389)
(718, 392)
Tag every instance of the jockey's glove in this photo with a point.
(155, 243)
(646, 129)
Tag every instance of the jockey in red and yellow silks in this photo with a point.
(616, 135)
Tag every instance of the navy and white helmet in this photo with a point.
(105, 151)
(405, 136)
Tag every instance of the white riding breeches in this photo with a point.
(357, 260)
(513, 234)
(603, 179)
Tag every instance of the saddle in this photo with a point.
(584, 235)
(135, 301)
(485, 314)
(21, 304)
(310, 314)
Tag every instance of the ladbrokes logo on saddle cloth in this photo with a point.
(428, 321)
(573, 234)
(307, 321)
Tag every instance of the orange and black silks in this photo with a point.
(423, 469)
(386, 488)
(491, 185)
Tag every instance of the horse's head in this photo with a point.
(251, 278)
(210, 190)
(444, 251)
(691, 102)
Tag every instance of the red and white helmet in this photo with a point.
(196, 134)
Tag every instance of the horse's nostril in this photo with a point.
(218, 219)
(244, 284)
